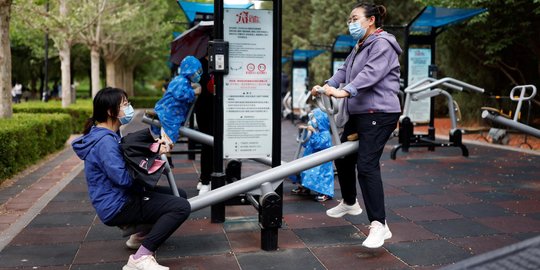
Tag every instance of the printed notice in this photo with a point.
(247, 89)
(419, 61)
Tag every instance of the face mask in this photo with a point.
(196, 77)
(356, 31)
(128, 115)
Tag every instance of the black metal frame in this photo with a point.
(271, 207)
(407, 138)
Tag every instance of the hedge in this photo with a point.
(26, 138)
(79, 112)
(143, 102)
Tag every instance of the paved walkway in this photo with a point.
(441, 207)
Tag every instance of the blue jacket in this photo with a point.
(320, 178)
(106, 174)
(173, 107)
(371, 75)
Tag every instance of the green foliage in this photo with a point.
(25, 138)
(496, 50)
(144, 102)
(79, 112)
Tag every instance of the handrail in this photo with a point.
(447, 82)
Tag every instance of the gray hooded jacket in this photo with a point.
(371, 75)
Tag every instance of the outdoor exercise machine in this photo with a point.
(424, 89)
(497, 117)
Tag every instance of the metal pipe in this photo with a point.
(510, 123)
(272, 175)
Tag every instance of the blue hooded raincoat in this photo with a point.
(173, 107)
(320, 178)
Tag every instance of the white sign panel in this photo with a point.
(419, 61)
(299, 86)
(336, 65)
(247, 89)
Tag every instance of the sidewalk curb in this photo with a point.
(7, 236)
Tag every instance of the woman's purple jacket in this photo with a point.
(371, 76)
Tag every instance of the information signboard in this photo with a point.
(419, 62)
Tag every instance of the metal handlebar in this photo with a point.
(330, 109)
(446, 82)
(523, 89)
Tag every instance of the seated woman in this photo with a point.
(118, 200)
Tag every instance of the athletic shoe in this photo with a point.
(134, 241)
(199, 185)
(147, 262)
(322, 198)
(343, 209)
(377, 234)
(204, 189)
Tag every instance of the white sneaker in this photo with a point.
(147, 262)
(204, 189)
(199, 185)
(342, 209)
(134, 241)
(377, 234)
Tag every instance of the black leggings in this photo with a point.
(159, 207)
(374, 130)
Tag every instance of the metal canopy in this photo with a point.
(192, 8)
(305, 55)
(343, 43)
(433, 18)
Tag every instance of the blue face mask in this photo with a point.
(196, 77)
(356, 31)
(129, 112)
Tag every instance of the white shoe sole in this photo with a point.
(353, 213)
(387, 236)
(127, 267)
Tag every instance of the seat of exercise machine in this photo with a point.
(495, 111)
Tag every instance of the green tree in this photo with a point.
(6, 109)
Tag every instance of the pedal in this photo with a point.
(352, 137)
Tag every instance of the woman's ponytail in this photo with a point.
(88, 125)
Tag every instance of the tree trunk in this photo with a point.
(119, 73)
(65, 65)
(6, 110)
(128, 80)
(94, 63)
(110, 71)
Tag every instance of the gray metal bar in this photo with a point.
(170, 176)
(512, 124)
(271, 175)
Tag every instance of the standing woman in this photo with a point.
(118, 200)
(371, 78)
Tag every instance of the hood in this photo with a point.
(389, 37)
(321, 117)
(189, 66)
(84, 144)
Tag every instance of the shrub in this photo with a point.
(25, 138)
(144, 102)
(79, 111)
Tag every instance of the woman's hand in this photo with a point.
(164, 147)
(333, 92)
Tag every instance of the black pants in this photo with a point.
(374, 130)
(204, 112)
(159, 207)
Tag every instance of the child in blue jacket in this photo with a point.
(320, 178)
(173, 107)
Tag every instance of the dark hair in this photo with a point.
(378, 11)
(106, 100)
